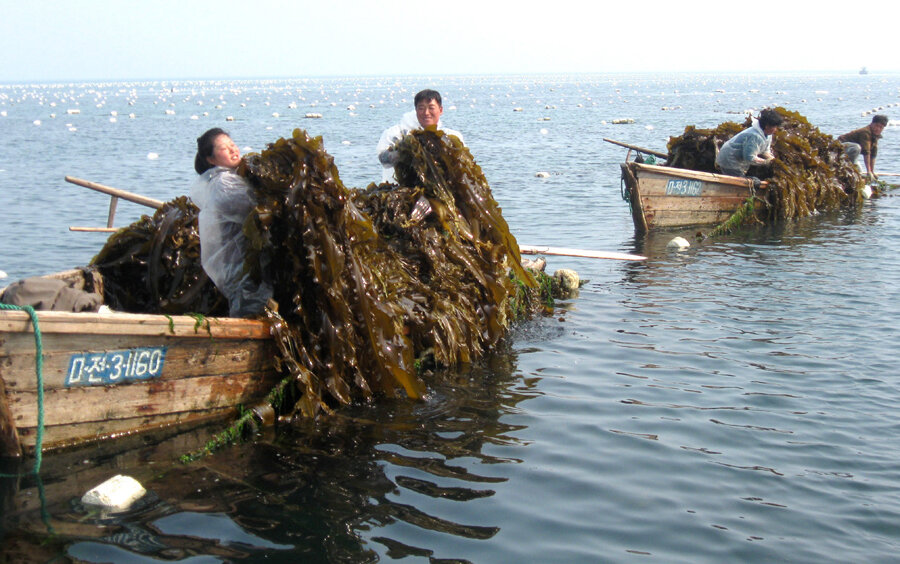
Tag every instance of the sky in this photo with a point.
(98, 40)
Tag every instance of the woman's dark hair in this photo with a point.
(769, 117)
(206, 144)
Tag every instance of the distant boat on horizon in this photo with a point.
(863, 71)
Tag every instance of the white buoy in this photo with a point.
(117, 493)
(3, 275)
(36, 122)
(867, 191)
(544, 131)
(152, 156)
(542, 174)
(678, 244)
(345, 142)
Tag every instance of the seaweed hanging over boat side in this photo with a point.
(153, 265)
(372, 286)
(810, 172)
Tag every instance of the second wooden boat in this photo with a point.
(664, 197)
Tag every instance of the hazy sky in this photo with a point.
(64, 40)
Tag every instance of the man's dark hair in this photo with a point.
(880, 118)
(769, 117)
(428, 95)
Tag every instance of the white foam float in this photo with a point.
(152, 156)
(116, 493)
(678, 244)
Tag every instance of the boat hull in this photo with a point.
(664, 197)
(106, 375)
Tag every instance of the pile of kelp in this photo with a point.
(373, 286)
(809, 174)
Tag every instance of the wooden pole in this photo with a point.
(561, 251)
(115, 192)
(636, 148)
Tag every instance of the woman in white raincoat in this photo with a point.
(225, 200)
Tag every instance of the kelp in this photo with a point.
(372, 285)
(153, 265)
(810, 173)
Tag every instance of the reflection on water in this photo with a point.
(329, 490)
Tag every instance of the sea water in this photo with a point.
(735, 401)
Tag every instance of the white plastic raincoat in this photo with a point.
(225, 199)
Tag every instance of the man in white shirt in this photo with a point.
(428, 113)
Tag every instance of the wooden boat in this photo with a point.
(665, 197)
(110, 374)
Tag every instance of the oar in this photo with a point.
(564, 252)
(888, 173)
(636, 148)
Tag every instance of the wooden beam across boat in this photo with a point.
(638, 149)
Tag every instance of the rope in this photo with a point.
(38, 368)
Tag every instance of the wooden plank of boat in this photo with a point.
(666, 197)
(116, 373)
(586, 253)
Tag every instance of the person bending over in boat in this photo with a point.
(752, 146)
(427, 113)
(225, 199)
(865, 140)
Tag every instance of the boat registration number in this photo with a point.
(115, 367)
(683, 187)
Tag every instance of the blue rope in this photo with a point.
(39, 371)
